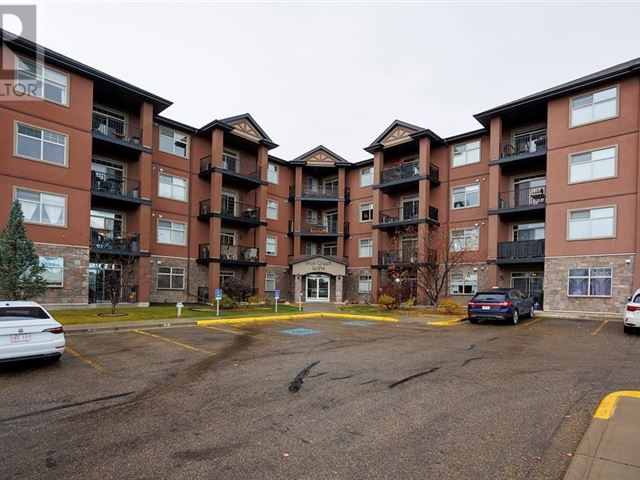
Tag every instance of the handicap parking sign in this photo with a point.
(218, 294)
(276, 294)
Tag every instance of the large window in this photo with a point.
(590, 282)
(42, 82)
(366, 177)
(466, 153)
(312, 216)
(366, 248)
(463, 284)
(170, 278)
(172, 187)
(592, 223)
(270, 282)
(465, 239)
(54, 271)
(364, 284)
(172, 232)
(366, 212)
(272, 210)
(592, 165)
(44, 208)
(273, 173)
(595, 106)
(272, 246)
(38, 144)
(224, 276)
(528, 231)
(466, 196)
(174, 142)
(330, 249)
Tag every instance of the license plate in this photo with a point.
(20, 338)
(486, 307)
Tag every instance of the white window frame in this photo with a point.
(173, 187)
(589, 276)
(364, 175)
(40, 206)
(572, 100)
(17, 126)
(174, 134)
(466, 279)
(57, 269)
(465, 239)
(172, 274)
(465, 187)
(273, 169)
(275, 245)
(591, 161)
(171, 229)
(272, 202)
(331, 245)
(468, 147)
(362, 210)
(224, 274)
(269, 277)
(367, 283)
(369, 248)
(42, 78)
(590, 220)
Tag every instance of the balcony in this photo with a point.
(108, 242)
(235, 171)
(404, 216)
(530, 199)
(319, 230)
(526, 251)
(117, 133)
(231, 255)
(320, 193)
(406, 175)
(121, 190)
(406, 257)
(526, 148)
(231, 212)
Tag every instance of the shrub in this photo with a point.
(387, 301)
(450, 307)
(410, 303)
(227, 302)
(253, 299)
(237, 289)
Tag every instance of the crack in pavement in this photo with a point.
(468, 360)
(411, 377)
(299, 380)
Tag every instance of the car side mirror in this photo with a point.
(628, 299)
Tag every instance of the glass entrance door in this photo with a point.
(318, 288)
(529, 283)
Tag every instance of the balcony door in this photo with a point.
(331, 221)
(230, 161)
(528, 231)
(530, 283)
(409, 210)
(228, 248)
(229, 203)
(103, 277)
(107, 225)
(330, 186)
(107, 176)
(408, 248)
(110, 123)
(529, 190)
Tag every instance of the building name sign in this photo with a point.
(318, 265)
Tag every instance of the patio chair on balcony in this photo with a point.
(251, 255)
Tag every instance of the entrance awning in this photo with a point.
(318, 264)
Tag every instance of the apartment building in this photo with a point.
(543, 197)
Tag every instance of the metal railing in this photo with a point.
(240, 166)
(408, 211)
(321, 192)
(114, 241)
(434, 172)
(320, 228)
(523, 197)
(523, 144)
(117, 129)
(400, 172)
(205, 207)
(230, 252)
(114, 185)
(230, 208)
(521, 249)
(406, 256)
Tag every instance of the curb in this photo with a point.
(608, 404)
(448, 323)
(270, 318)
(97, 327)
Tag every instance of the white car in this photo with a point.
(27, 331)
(632, 313)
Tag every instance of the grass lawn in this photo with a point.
(429, 314)
(91, 315)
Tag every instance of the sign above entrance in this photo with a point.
(318, 264)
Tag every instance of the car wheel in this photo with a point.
(628, 329)
(515, 317)
(473, 320)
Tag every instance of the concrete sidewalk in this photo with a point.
(113, 326)
(610, 449)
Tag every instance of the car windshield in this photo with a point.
(489, 297)
(28, 313)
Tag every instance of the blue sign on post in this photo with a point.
(276, 294)
(218, 294)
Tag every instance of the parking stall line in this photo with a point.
(175, 342)
(221, 329)
(532, 322)
(88, 361)
(599, 328)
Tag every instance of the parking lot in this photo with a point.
(383, 400)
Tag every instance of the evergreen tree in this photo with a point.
(20, 268)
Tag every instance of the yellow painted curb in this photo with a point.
(608, 404)
(271, 318)
(445, 323)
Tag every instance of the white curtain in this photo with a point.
(54, 213)
(29, 209)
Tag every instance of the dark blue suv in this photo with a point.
(506, 304)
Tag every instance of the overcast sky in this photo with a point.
(338, 74)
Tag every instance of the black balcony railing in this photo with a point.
(330, 228)
(434, 173)
(409, 211)
(521, 250)
(230, 252)
(523, 197)
(400, 172)
(524, 144)
(114, 185)
(114, 241)
(406, 256)
(116, 129)
(205, 207)
(230, 208)
(320, 191)
(433, 213)
(239, 166)
(203, 251)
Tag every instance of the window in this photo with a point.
(174, 142)
(366, 247)
(366, 176)
(366, 212)
(43, 82)
(590, 282)
(224, 275)
(172, 187)
(466, 196)
(273, 173)
(44, 208)
(330, 249)
(38, 144)
(528, 231)
(463, 284)
(272, 246)
(364, 284)
(465, 239)
(592, 165)
(170, 278)
(270, 282)
(594, 107)
(54, 272)
(108, 224)
(312, 216)
(272, 209)
(466, 153)
(593, 223)
(171, 232)
(311, 248)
